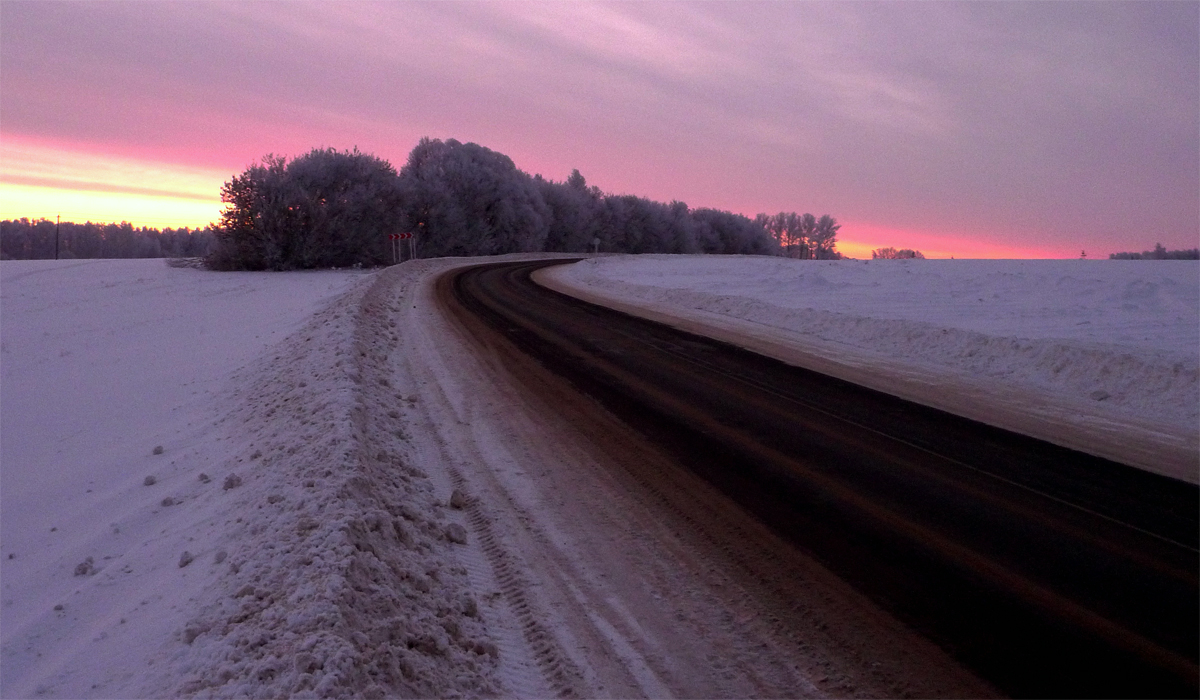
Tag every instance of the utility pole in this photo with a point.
(57, 224)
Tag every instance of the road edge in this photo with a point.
(1037, 415)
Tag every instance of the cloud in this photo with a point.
(39, 165)
(46, 180)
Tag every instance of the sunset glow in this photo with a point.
(43, 181)
(857, 240)
(957, 129)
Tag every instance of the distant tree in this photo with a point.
(804, 243)
(326, 208)
(824, 238)
(893, 254)
(788, 230)
(1159, 253)
(630, 224)
(679, 229)
(802, 235)
(22, 239)
(767, 223)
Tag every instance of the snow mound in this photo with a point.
(339, 579)
(1124, 333)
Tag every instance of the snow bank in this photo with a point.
(202, 492)
(339, 582)
(1120, 335)
(113, 373)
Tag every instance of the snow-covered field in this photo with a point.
(103, 363)
(1099, 355)
(195, 465)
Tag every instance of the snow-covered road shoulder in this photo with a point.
(1097, 355)
(339, 579)
(203, 493)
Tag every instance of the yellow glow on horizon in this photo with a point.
(857, 240)
(17, 201)
(39, 181)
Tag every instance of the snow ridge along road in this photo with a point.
(1005, 549)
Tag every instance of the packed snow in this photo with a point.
(207, 488)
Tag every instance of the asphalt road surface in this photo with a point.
(1046, 571)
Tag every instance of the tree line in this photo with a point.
(1159, 253)
(893, 254)
(38, 239)
(330, 208)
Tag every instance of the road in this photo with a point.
(1045, 571)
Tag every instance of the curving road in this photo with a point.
(1047, 572)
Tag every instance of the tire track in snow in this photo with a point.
(562, 675)
(534, 661)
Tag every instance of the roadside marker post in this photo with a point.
(397, 254)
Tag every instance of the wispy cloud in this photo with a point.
(36, 165)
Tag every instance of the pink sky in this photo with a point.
(967, 129)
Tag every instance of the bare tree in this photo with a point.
(824, 238)
(893, 254)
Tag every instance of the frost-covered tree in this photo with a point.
(573, 213)
(630, 224)
(327, 208)
(348, 204)
(580, 214)
(330, 208)
(464, 199)
(722, 232)
(576, 181)
(255, 231)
